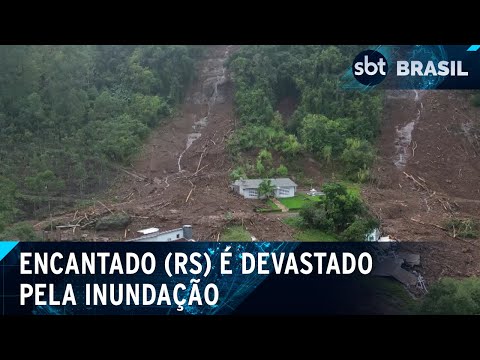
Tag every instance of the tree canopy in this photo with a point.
(333, 124)
(68, 112)
(339, 211)
(452, 297)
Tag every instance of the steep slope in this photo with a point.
(428, 172)
(182, 175)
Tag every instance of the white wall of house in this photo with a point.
(249, 193)
(285, 192)
(165, 236)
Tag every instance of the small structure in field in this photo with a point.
(313, 192)
(248, 188)
(155, 235)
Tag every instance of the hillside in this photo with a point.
(70, 114)
(431, 137)
(257, 111)
(182, 174)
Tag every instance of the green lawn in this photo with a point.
(308, 235)
(272, 205)
(269, 207)
(297, 202)
(236, 233)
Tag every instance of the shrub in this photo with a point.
(113, 222)
(22, 231)
(453, 297)
(466, 228)
(238, 173)
(359, 229)
(282, 170)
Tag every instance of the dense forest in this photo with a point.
(336, 126)
(70, 113)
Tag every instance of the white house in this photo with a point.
(284, 187)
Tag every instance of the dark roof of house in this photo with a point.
(255, 183)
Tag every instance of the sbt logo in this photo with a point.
(370, 67)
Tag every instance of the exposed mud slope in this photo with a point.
(426, 135)
(182, 175)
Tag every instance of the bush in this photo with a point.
(466, 228)
(315, 216)
(453, 297)
(363, 175)
(7, 202)
(22, 231)
(238, 173)
(359, 229)
(282, 170)
(357, 156)
(113, 222)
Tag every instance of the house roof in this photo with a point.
(255, 183)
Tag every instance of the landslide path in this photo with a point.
(428, 172)
(182, 174)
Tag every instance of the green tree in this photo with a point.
(325, 117)
(341, 206)
(148, 109)
(265, 157)
(318, 131)
(8, 204)
(315, 216)
(290, 146)
(452, 297)
(327, 153)
(336, 211)
(266, 188)
(282, 170)
(74, 110)
(254, 107)
(264, 164)
(44, 183)
(22, 231)
(358, 230)
(261, 171)
(358, 155)
(238, 173)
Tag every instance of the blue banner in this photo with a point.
(188, 278)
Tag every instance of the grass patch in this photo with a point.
(315, 235)
(297, 202)
(236, 233)
(352, 188)
(270, 207)
(309, 235)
